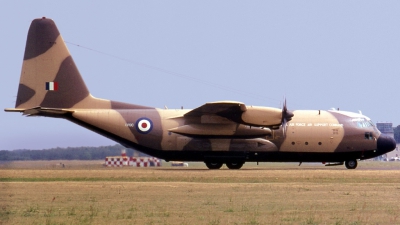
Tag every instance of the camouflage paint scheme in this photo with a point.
(216, 133)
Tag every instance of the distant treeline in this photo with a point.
(76, 153)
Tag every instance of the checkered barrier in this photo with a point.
(116, 161)
(144, 161)
(119, 161)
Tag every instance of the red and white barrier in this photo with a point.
(116, 161)
(123, 160)
(119, 161)
(144, 161)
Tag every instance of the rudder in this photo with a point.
(49, 76)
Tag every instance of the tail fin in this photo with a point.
(49, 77)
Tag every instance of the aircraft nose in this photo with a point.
(385, 143)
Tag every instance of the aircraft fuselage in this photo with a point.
(311, 136)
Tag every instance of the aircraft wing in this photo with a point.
(240, 113)
(222, 108)
(220, 120)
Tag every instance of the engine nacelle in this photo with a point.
(262, 116)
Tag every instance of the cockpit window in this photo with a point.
(363, 123)
(372, 124)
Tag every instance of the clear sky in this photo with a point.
(319, 54)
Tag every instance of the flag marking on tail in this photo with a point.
(51, 86)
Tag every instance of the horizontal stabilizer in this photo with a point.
(40, 111)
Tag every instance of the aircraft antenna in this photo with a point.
(226, 88)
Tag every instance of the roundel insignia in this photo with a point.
(144, 125)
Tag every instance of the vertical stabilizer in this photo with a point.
(49, 77)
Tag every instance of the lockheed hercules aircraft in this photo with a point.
(217, 133)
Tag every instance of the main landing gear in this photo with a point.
(351, 164)
(218, 165)
(234, 165)
(213, 165)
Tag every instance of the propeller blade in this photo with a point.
(286, 117)
(284, 128)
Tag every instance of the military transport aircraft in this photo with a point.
(217, 133)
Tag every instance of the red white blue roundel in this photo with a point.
(144, 125)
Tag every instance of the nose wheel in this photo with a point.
(351, 164)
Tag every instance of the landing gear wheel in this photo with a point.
(351, 164)
(234, 165)
(213, 165)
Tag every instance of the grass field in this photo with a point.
(84, 192)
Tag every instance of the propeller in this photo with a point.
(286, 117)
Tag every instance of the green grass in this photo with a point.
(270, 194)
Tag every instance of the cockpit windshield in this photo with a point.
(372, 123)
(363, 123)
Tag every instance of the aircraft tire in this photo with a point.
(234, 165)
(213, 165)
(351, 164)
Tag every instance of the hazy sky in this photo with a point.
(319, 54)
